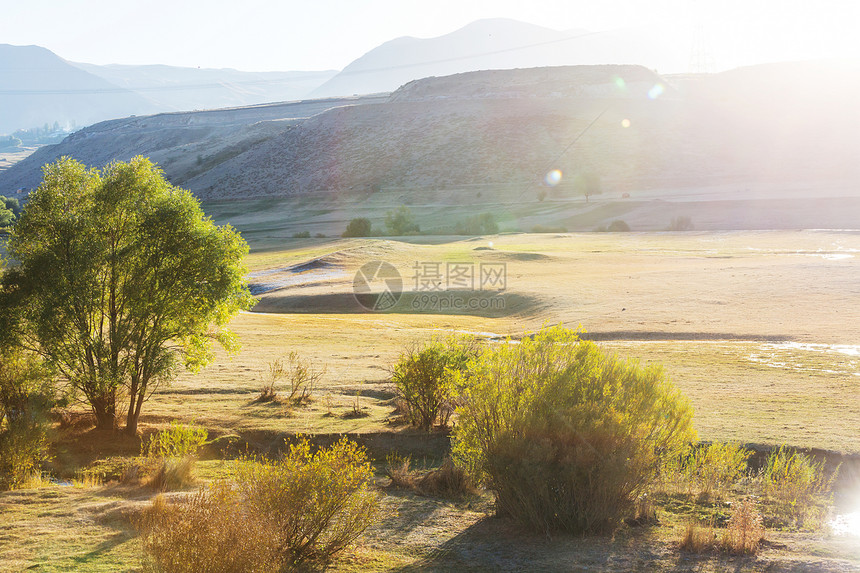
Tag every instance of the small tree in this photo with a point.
(566, 436)
(120, 274)
(358, 227)
(26, 397)
(424, 378)
(400, 221)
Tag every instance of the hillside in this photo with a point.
(747, 152)
(38, 87)
(174, 88)
(492, 44)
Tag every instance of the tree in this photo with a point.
(400, 221)
(119, 276)
(358, 227)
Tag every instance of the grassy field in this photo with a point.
(760, 329)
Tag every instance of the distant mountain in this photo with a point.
(491, 45)
(185, 89)
(38, 87)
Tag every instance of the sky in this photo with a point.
(286, 35)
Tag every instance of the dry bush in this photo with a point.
(745, 529)
(300, 375)
(213, 532)
(172, 474)
(399, 470)
(449, 481)
(698, 538)
(314, 504)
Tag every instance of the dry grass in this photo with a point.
(745, 529)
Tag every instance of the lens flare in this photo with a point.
(625, 122)
(553, 178)
(656, 91)
(846, 524)
(620, 83)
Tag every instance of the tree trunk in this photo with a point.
(104, 409)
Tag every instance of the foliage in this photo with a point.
(10, 208)
(681, 223)
(567, 437)
(794, 482)
(26, 397)
(313, 505)
(358, 227)
(177, 441)
(213, 532)
(483, 224)
(171, 454)
(618, 226)
(424, 377)
(401, 222)
(302, 235)
(120, 275)
(587, 183)
(715, 467)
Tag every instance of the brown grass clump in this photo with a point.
(698, 538)
(745, 529)
(211, 532)
(449, 481)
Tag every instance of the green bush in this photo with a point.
(177, 441)
(618, 226)
(567, 437)
(26, 398)
(171, 455)
(359, 227)
(424, 377)
(302, 235)
(401, 222)
(483, 224)
(313, 504)
(795, 484)
(714, 467)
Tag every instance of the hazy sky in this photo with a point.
(259, 35)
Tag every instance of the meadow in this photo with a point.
(760, 329)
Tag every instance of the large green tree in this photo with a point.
(119, 279)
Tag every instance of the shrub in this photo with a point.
(300, 374)
(401, 222)
(618, 226)
(483, 224)
(715, 467)
(177, 441)
(745, 530)
(794, 482)
(26, 397)
(681, 223)
(424, 378)
(171, 454)
(565, 436)
(302, 235)
(313, 504)
(212, 532)
(698, 538)
(358, 227)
